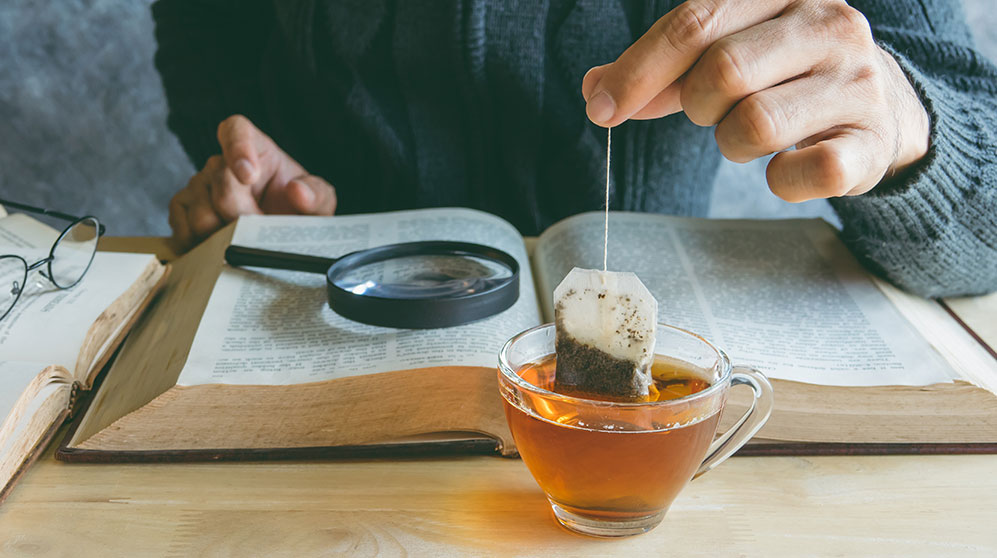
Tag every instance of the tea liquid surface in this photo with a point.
(670, 381)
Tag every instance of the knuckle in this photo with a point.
(728, 68)
(226, 203)
(844, 21)
(695, 98)
(831, 172)
(202, 221)
(691, 24)
(222, 195)
(758, 122)
(729, 147)
(872, 88)
(214, 163)
(780, 181)
(176, 204)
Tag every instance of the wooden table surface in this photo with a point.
(904, 506)
(489, 506)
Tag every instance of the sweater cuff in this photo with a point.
(923, 231)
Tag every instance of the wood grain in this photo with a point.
(489, 506)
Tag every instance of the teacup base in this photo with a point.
(603, 527)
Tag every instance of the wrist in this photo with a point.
(912, 122)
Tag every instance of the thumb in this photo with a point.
(310, 195)
(591, 79)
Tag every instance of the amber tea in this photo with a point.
(611, 467)
(605, 462)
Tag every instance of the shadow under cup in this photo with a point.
(611, 468)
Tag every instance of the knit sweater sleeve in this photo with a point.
(934, 232)
(208, 56)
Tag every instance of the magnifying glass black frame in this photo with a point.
(408, 313)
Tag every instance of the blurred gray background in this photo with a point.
(83, 117)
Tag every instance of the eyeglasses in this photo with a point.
(67, 261)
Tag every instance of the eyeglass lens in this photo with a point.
(13, 274)
(72, 255)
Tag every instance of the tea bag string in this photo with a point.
(605, 234)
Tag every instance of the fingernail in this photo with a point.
(601, 108)
(243, 170)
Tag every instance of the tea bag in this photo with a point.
(605, 322)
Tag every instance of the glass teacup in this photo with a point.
(613, 468)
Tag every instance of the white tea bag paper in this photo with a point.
(605, 322)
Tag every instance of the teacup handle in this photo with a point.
(748, 425)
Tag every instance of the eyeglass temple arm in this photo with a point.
(49, 212)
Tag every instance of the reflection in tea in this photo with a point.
(603, 465)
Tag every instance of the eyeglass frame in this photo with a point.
(28, 268)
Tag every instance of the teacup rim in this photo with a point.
(506, 370)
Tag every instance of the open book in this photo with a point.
(54, 342)
(249, 363)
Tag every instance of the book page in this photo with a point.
(968, 355)
(23, 232)
(15, 376)
(24, 388)
(275, 327)
(28, 426)
(49, 324)
(785, 297)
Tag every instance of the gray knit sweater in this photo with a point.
(477, 103)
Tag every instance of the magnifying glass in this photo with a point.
(414, 285)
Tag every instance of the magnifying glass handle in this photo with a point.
(243, 256)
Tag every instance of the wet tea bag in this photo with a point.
(605, 322)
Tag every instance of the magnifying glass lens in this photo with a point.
(423, 276)
(425, 284)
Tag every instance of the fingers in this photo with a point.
(248, 152)
(182, 235)
(841, 165)
(230, 198)
(311, 195)
(773, 74)
(665, 103)
(303, 195)
(192, 217)
(212, 198)
(752, 60)
(781, 117)
(666, 52)
(251, 176)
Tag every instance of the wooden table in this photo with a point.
(904, 506)
(489, 506)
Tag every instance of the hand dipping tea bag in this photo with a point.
(605, 323)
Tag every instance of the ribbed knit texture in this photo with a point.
(935, 233)
(477, 103)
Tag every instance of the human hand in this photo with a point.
(773, 74)
(252, 176)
